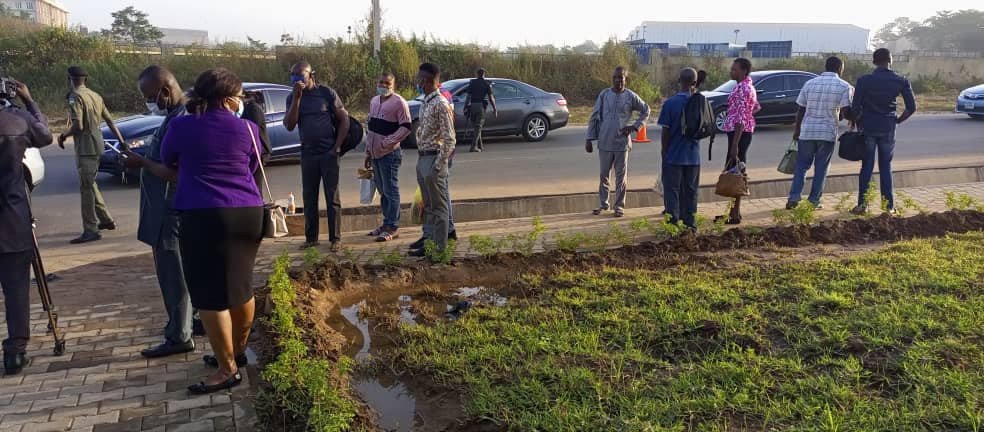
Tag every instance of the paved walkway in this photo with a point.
(110, 309)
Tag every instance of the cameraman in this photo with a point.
(19, 129)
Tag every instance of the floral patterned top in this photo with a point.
(436, 130)
(742, 106)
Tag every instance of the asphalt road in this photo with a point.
(513, 167)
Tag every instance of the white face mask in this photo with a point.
(241, 109)
(153, 109)
(384, 91)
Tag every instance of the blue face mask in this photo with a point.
(242, 108)
(294, 79)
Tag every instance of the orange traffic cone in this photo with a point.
(641, 136)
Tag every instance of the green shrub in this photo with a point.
(486, 246)
(312, 257)
(570, 242)
(961, 201)
(525, 244)
(434, 253)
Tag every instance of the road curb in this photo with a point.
(369, 217)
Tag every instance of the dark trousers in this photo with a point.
(174, 291)
(15, 279)
(476, 116)
(318, 171)
(680, 186)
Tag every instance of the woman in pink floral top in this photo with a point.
(740, 124)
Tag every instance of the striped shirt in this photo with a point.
(389, 124)
(823, 97)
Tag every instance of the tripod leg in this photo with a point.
(45, 295)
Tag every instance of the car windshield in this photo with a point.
(729, 86)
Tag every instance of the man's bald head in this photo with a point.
(158, 85)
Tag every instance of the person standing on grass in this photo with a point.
(314, 107)
(86, 111)
(159, 225)
(478, 98)
(739, 125)
(681, 155)
(876, 103)
(609, 125)
(389, 124)
(435, 143)
(823, 103)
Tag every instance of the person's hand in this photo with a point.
(61, 141)
(299, 89)
(587, 146)
(132, 160)
(796, 135)
(495, 112)
(898, 120)
(22, 91)
(626, 131)
(368, 162)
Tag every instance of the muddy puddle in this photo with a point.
(368, 319)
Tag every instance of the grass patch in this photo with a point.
(885, 341)
(304, 392)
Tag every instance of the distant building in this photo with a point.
(811, 38)
(46, 12)
(184, 37)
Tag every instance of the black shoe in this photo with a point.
(419, 244)
(418, 253)
(168, 349)
(202, 388)
(309, 245)
(108, 226)
(87, 238)
(197, 328)
(14, 363)
(212, 361)
(791, 205)
(453, 235)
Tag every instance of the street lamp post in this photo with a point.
(377, 18)
(736, 35)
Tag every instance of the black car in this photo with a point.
(777, 93)
(523, 110)
(139, 129)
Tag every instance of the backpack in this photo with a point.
(356, 133)
(697, 121)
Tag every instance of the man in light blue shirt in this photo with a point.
(609, 125)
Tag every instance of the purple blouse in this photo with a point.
(215, 159)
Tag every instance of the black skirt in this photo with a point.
(218, 251)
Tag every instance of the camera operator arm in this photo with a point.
(39, 133)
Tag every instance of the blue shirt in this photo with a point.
(875, 98)
(682, 151)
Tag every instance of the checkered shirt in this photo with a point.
(823, 97)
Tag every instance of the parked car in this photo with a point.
(139, 129)
(33, 168)
(971, 102)
(523, 110)
(777, 93)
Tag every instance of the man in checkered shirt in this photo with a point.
(823, 103)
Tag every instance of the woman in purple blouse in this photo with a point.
(211, 153)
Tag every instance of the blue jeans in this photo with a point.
(386, 173)
(811, 153)
(426, 228)
(884, 146)
(680, 186)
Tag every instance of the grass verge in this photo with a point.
(303, 392)
(885, 341)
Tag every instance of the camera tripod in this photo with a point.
(42, 280)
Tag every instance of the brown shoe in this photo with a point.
(335, 246)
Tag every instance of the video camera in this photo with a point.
(8, 88)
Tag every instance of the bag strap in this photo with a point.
(259, 160)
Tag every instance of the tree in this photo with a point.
(131, 25)
(255, 44)
(587, 47)
(894, 30)
(962, 31)
(287, 40)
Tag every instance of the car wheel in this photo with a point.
(536, 128)
(411, 140)
(719, 117)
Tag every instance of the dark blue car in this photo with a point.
(139, 129)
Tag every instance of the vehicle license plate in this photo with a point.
(969, 105)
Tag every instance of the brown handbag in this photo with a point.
(732, 183)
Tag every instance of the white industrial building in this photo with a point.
(808, 38)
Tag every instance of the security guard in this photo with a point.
(86, 110)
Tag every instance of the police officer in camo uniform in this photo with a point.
(86, 110)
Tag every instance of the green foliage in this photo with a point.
(670, 229)
(951, 30)
(932, 84)
(639, 227)
(596, 242)
(393, 259)
(303, 391)
(313, 257)
(805, 213)
(570, 241)
(350, 254)
(961, 201)
(881, 341)
(132, 26)
(486, 246)
(526, 244)
(618, 235)
(869, 198)
(844, 203)
(436, 255)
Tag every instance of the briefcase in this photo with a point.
(852, 146)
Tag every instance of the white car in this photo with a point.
(33, 167)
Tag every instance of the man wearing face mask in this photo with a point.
(389, 124)
(316, 109)
(159, 227)
(86, 110)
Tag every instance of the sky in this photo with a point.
(498, 23)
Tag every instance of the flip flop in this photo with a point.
(201, 388)
(386, 236)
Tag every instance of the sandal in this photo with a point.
(212, 361)
(377, 232)
(201, 388)
(386, 236)
(619, 213)
(599, 211)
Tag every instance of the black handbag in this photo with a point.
(852, 146)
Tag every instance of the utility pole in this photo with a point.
(377, 31)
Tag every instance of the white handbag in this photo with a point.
(274, 217)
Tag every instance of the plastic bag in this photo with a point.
(367, 190)
(788, 163)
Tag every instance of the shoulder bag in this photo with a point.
(788, 163)
(274, 219)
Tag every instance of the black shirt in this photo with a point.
(479, 90)
(19, 129)
(315, 120)
(256, 113)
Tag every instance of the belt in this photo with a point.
(429, 153)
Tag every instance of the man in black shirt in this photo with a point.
(19, 129)
(317, 109)
(255, 111)
(478, 98)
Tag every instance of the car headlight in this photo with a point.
(138, 142)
